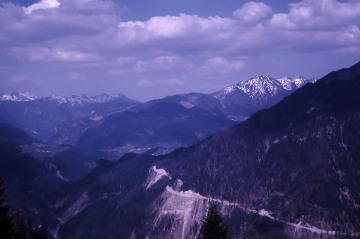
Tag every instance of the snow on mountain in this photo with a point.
(230, 89)
(294, 83)
(73, 100)
(286, 82)
(259, 86)
(81, 99)
(264, 86)
(15, 96)
(106, 97)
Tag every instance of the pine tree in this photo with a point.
(213, 226)
(6, 226)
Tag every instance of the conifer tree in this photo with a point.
(213, 226)
(6, 226)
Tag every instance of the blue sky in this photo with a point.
(149, 49)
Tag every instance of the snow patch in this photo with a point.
(222, 94)
(286, 83)
(15, 96)
(82, 99)
(58, 99)
(229, 89)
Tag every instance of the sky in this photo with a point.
(149, 49)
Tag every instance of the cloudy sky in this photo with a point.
(152, 48)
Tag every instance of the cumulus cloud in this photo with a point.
(93, 32)
(253, 12)
(44, 4)
(170, 32)
(320, 14)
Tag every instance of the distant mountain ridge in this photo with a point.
(16, 96)
(157, 126)
(82, 99)
(184, 119)
(258, 87)
(40, 117)
(76, 99)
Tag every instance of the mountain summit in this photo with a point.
(16, 96)
(258, 92)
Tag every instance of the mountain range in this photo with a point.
(76, 131)
(66, 119)
(289, 171)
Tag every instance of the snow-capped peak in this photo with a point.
(286, 83)
(261, 87)
(15, 96)
(81, 99)
(105, 97)
(59, 99)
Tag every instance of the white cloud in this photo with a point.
(52, 55)
(92, 32)
(320, 14)
(180, 27)
(253, 12)
(43, 4)
(220, 65)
